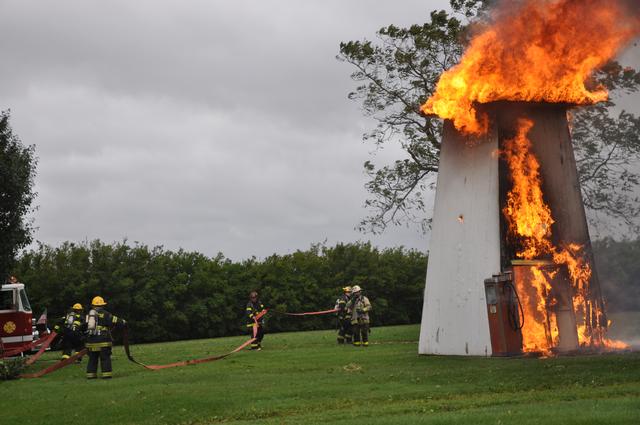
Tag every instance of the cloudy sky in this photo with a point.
(216, 126)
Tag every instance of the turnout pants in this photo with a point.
(259, 335)
(361, 334)
(345, 332)
(103, 356)
(71, 341)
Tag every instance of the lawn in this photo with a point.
(305, 378)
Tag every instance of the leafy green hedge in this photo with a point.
(168, 295)
(11, 368)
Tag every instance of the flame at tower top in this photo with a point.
(535, 50)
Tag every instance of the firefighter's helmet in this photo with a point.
(98, 301)
(347, 289)
(356, 289)
(77, 306)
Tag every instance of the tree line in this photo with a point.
(618, 267)
(171, 295)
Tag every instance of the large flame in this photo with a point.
(535, 50)
(540, 331)
(529, 220)
(526, 212)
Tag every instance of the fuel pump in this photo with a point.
(506, 317)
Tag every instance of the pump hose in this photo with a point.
(513, 312)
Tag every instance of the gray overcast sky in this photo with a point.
(207, 125)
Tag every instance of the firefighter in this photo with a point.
(359, 306)
(255, 308)
(72, 331)
(344, 316)
(99, 340)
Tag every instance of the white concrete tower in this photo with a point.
(464, 248)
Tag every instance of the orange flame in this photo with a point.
(540, 331)
(535, 50)
(526, 212)
(529, 219)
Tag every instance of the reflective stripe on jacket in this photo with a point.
(341, 306)
(360, 308)
(252, 310)
(73, 321)
(101, 336)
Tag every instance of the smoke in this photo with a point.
(632, 7)
(627, 13)
(625, 326)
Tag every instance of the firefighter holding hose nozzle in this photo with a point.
(255, 320)
(343, 316)
(359, 306)
(99, 339)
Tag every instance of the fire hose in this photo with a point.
(242, 346)
(45, 344)
(56, 366)
(309, 313)
(45, 341)
(127, 349)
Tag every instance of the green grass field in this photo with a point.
(305, 378)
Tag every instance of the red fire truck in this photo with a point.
(16, 321)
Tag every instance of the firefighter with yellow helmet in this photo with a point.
(72, 331)
(343, 316)
(99, 339)
(359, 306)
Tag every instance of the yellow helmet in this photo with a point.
(98, 301)
(346, 289)
(77, 306)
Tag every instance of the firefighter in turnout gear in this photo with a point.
(71, 331)
(254, 308)
(344, 316)
(99, 340)
(359, 306)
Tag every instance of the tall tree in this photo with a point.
(17, 172)
(398, 72)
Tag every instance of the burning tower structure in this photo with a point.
(510, 265)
